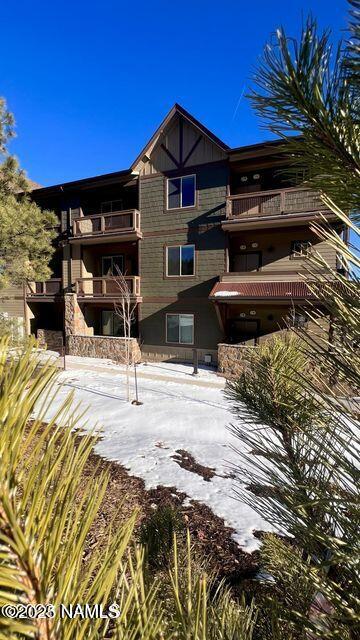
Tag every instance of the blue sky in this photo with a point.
(89, 81)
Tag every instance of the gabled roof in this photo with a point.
(179, 110)
(262, 148)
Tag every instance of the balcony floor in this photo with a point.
(106, 237)
(241, 223)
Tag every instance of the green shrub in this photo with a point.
(157, 534)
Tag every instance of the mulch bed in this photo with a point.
(209, 535)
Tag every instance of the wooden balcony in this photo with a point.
(107, 227)
(46, 290)
(106, 288)
(281, 207)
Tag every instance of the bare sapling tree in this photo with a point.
(125, 309)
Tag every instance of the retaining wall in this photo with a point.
(231, 359)
(103, 347)
(50, 339)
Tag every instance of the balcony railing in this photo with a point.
(274, 203)
(122, 222)
(46, 289)
(106, 286)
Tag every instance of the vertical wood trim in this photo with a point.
(219, 317)
(181, 141)
(27, 326)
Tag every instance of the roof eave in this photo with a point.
(105, 178)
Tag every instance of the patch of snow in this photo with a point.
(264, 576)
(103, 362)
(225, 294)
(179, 416)
(41, 355)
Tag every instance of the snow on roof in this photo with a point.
(224, 294)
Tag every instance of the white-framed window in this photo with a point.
(111, 324)
(111, 206)
(298, 319)
(300, 249)
(180, 328)
(180, 260)
(181, 192)
(111, 265)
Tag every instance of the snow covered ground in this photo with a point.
(174, 415)
(166, 369)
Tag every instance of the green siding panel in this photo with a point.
(199, 226)
(207, 333)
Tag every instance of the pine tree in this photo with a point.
(49, 507)
(26, 232)
(294, 400)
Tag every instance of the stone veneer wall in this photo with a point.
(231, 356)
(231, 359)
(50, 339)
(75, 323)
(102, 347)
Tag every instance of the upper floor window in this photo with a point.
(180, 260)
(300, 248)
(111, 205)
(112, 265)
(181, 192)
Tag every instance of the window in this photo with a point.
(180, 260)
(250, 261)
(242, 330)
(298, 320)
(300, 249)
(111, 324)
(111, 205)
(180, 328)
(111, 265)
(181, 192)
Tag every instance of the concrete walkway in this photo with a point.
(177, 378)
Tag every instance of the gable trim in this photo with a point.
(177, 109)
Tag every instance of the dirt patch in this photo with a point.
(188, 462)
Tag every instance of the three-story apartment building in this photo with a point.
(213, 243)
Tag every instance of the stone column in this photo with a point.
(75, 323)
